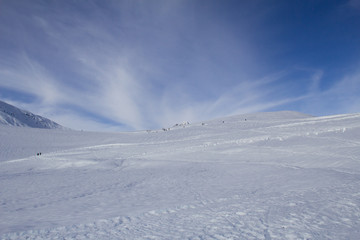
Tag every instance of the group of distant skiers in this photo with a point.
(38, 154)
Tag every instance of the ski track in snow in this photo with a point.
(273, 176)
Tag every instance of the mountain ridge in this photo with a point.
(13, 116)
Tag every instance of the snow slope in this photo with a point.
(13, 116)
(279, 175)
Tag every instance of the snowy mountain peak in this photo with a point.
(13, 116)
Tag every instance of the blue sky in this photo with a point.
(130, 65)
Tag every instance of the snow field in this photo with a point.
(274, 176)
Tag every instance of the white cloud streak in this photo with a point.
(122, 73)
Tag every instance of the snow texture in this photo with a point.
(282, 175)
(13, 116)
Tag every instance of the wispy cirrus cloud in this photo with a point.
(354, 3)
(136, 64)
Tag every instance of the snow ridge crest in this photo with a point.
(13, 116)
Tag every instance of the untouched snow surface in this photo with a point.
(277, 175)
(13, 116)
